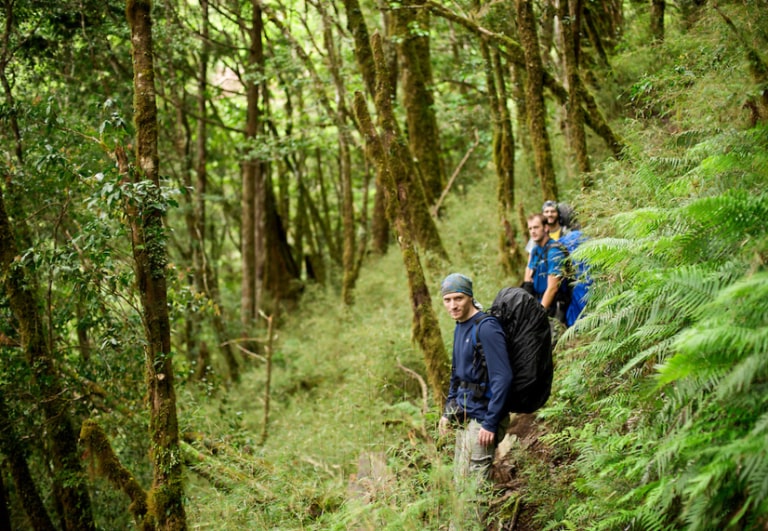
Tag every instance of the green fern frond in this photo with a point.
(656, 352)
(674, 164)
(607, 253)
(692, 137)
(753, 368)
(754, 470)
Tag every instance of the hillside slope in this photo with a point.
(658, 416)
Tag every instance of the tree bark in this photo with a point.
(206, 279)
(386, 148)
(281, 273)
(252, 202)
(758, 68)
(363, 53)
(149, 252)
(503, 157)
(364, 56)
(569, 19)
(534, 97)
(26, 490)
(412, 30)
(109, 466)
(5, 515)
(657, 20)
(349, 263)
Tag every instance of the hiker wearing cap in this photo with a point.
(557, 229)
(475, 402)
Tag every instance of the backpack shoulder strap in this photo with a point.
(557, 244)
(476, 324)
(544, 255)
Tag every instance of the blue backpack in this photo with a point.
(579, 285)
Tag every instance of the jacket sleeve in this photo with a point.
(555, 258)
(499, 371)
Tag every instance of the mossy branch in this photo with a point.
(108, 465)
(514, 52)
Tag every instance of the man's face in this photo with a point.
(550, 213)
(537, 230)
(459, 306)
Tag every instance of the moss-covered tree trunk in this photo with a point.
(503, 158)
(657, 20)
(109, 466)
(68, 480)
(569, 15)
(386, 148)
(166, 498)
(26, 489)
(364, 57)
(5, 515)
(534, 97)
(412, 31)
(349, 252)
(757, 101)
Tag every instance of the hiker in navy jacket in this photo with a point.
(475, 402)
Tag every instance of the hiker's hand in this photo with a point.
(485, 437)
(443, 426)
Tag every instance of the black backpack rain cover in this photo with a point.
(529, 346)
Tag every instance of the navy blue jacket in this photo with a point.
(490, 410)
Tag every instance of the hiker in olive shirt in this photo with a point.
(476, 397)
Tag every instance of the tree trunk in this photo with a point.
(385, 148)
(412, 30)
(252, 202)
(149, 252)
(206, 281)
(569, 17)
(757, 102)
(349, 264)
(546, 21)
(534, 98)
(595, 36)
(109, 466)
(281, 273)
(521, 120)
(503, 157)
(364, 56)
(5, 515)
(26, 490)
(657, 20)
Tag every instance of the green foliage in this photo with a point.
(658, 418)
(682, 302)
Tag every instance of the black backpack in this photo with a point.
(529, 347)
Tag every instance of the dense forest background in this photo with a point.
(223, 225)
